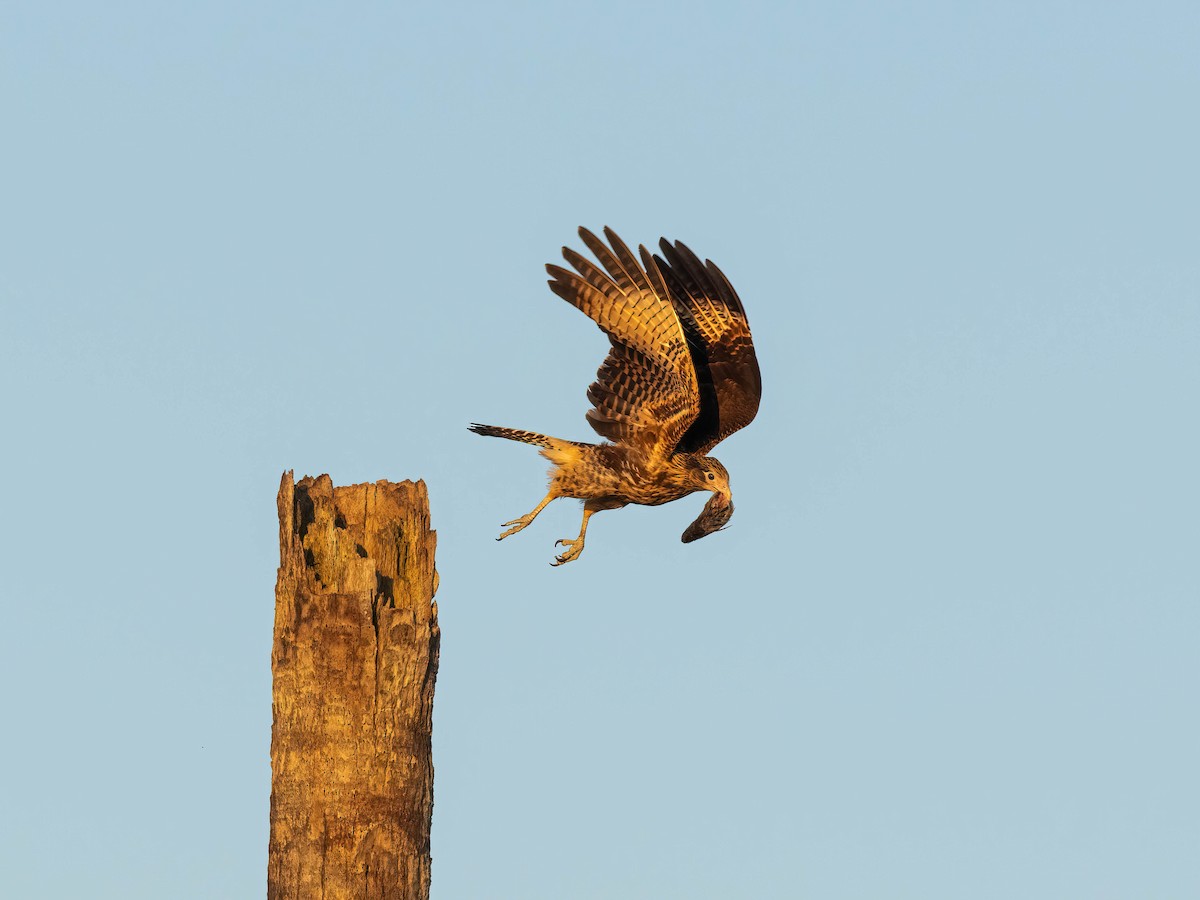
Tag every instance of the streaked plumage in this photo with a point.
(680, 377)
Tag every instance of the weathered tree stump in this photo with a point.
(354, 664)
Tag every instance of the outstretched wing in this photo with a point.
(645, 392)
(718, 335)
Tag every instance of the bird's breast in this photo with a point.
(608, 471)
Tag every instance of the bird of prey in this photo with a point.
(681, 376)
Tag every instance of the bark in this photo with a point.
(354, 664)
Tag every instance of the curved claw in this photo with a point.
(574, 548)
(517, 525)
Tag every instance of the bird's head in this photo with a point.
(710, 475)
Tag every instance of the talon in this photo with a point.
(517, 525)
(575, 547)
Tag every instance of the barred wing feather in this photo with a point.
(645, 393)
(728, 380)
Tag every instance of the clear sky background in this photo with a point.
(948, 647)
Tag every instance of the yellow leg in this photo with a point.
(520, 523)
(575, 547)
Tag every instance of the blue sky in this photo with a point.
(948, 646)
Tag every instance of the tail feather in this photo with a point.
(514, 434)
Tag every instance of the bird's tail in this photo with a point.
(515, 434)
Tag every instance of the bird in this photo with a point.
(681, 375)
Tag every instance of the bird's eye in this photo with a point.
(712, 477)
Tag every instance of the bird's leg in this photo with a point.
(520, 523)
(575, 547)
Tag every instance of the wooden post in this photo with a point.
(354, 664)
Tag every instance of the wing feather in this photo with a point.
(645, 394)
(608, 259)
(728, 380)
